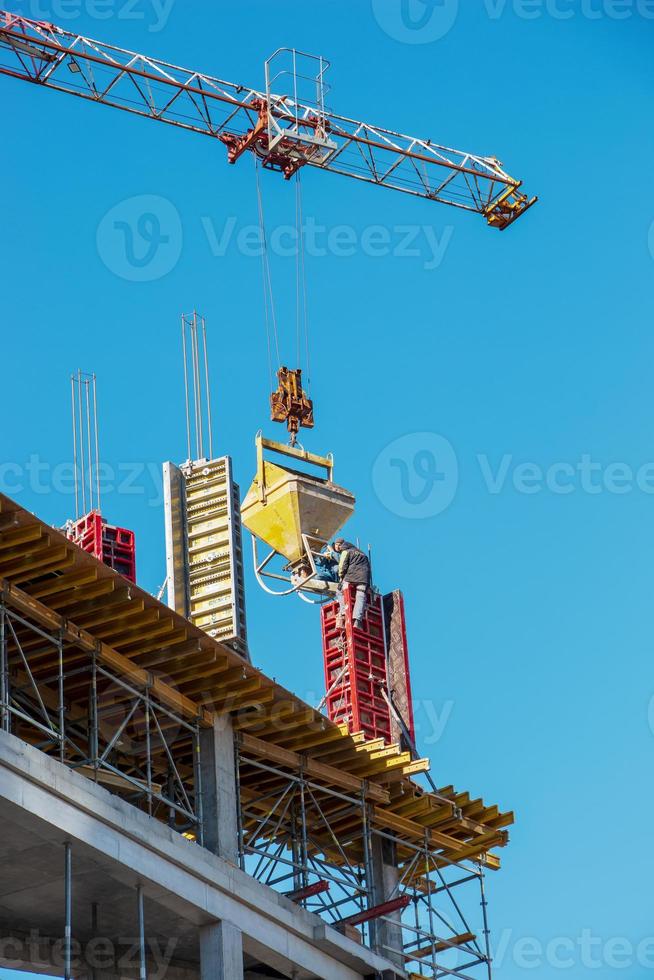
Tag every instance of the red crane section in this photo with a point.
(282, 131)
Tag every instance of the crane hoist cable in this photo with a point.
(289, 403)
(301, 297)
(268, 296)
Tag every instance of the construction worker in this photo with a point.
(327, 565)
(354, 570)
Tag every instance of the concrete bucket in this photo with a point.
(284, 505)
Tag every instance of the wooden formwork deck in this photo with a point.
(62, 588)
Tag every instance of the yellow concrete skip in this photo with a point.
(282, 504)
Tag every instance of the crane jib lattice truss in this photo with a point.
(283, 132)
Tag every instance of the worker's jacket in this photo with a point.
(353, 566)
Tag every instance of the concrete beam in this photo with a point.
(115, 847)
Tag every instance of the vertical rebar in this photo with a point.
(68, 900)
(186, 391)
(75, 462)
(208, 387)
(81, 437)
(97, 440)
(193, 338)
(87, 387)
(141, 917)
(197, 387)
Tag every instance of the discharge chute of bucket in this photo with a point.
(295, 514)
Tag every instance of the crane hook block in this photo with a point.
(290, 403)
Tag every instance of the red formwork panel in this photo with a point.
(355, 668)
(115, 546)
(87, 533)
(399, 678)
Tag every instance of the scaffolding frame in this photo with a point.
(125, 739)
(279, 846)
(311, 841)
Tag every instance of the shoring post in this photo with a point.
(170, 793)
(295, 849)
(367, 853)
(429, 901)
(197, 773)
(239, 809)
(68, 903)
(93, 713)
(94, 935)
(141, 918)
(148, 747)
(62, 707)
(4, 671)
(304, 850)
(484, 912)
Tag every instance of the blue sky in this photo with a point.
(520, 362)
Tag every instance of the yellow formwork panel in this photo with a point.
(283, 504)
(210, 570)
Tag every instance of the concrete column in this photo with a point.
(385, 876)
(219, 803)
(221, 952)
